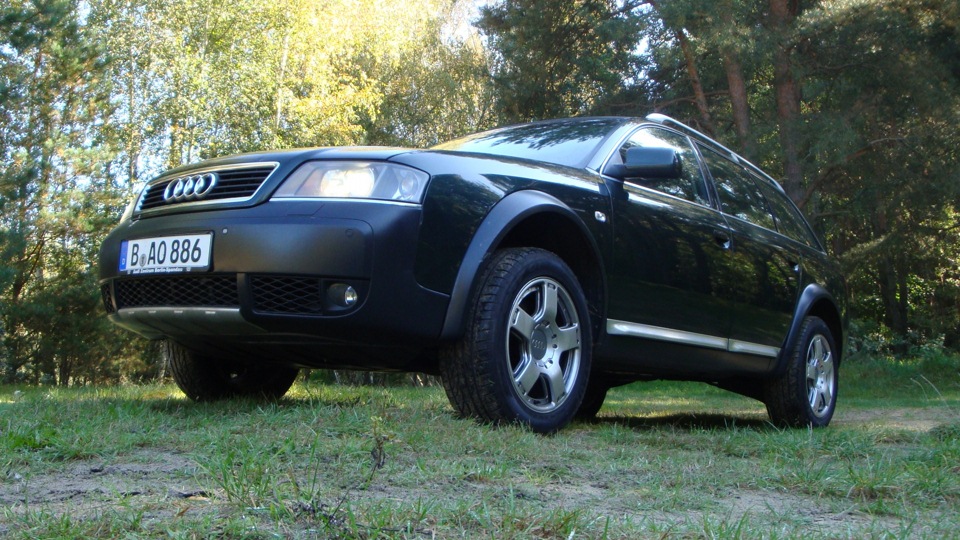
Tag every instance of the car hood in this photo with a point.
(364, 153)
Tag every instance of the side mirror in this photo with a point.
(653, 162)
(643, 162)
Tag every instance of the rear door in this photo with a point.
(762, 278)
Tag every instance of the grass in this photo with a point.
(663, 460)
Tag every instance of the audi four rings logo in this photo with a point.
(190, 188)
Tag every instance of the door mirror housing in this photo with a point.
(646, 162)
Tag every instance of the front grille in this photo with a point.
(179, 291)
(287, 295)
(232, 183)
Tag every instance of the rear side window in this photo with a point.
(739, 194)
(789, 219)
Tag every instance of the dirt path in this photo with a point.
(919, 420)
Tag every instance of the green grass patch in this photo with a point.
(663, 460)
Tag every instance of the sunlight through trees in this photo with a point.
(852, 104)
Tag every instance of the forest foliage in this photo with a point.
(851, 104)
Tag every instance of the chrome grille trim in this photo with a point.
(235, 183)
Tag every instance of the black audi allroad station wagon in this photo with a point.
(532, 267)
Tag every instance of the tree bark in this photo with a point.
(738, 103)
(700, 97)
(892, 277)
(787, 92)
(895, 295)
(693, 72)
(737, 86)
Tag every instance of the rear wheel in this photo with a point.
(806, 395)
(526, 354)
(205, 378)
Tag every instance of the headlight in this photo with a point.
(354, 180)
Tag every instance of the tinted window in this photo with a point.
(739, 195)
(789, 220)
(564, 142)
(689, 185)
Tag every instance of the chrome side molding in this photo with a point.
(659, 333)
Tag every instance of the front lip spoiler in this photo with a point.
(157, 322)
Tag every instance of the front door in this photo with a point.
(669, 244)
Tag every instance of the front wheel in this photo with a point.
(526, 354)
(205, 378)
(592, 401)
(806, 395)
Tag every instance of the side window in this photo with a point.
(690, 185)
(789, 219)
(739, 195)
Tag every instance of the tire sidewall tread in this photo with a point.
(786, 396)
(473, 369)
(204, 378)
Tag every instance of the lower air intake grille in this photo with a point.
(181, 291)
(287, 295)
(107, 299)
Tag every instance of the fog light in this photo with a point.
(349, 296)
(342, 294)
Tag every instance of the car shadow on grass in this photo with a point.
(686, 421)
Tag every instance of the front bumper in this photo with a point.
(271, 271)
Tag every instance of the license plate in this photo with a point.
(182, 253)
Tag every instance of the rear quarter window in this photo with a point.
(789, 220)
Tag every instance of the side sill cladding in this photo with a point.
(498, 223)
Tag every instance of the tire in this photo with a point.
(592, 401)
(526, 354)
(806, 394)
(205, 378)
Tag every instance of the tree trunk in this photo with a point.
(133, 127)
(738, 103)
(896, 298)
(281, 82)
(787, 91)
(693, 72)
(892, 279)
(699, 96)
(890, 294)
(737, 87)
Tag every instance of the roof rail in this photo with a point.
(665, 120)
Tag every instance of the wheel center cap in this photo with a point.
(538, 344)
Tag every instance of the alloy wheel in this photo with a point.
(543, 349)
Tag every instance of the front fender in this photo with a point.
(508, 213)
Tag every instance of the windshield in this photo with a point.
(569, 142)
